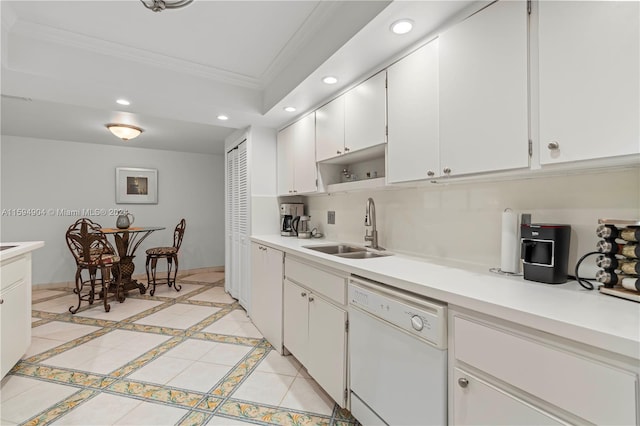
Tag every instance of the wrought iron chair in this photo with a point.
(92, 253)
(169, 253)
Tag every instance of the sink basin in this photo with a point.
(363, 255)
(337, 249)
(348, 251)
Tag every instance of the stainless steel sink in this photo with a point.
(348, 251)
(363, 255)
(337, 249)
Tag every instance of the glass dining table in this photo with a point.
(127, 242)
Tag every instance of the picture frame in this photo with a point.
(136, 185)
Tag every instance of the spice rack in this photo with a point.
(619, 261)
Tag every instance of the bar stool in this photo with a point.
(169, 253)
(92, 253)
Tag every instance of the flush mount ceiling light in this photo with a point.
(401, 26)
(124, 131)
(222, 117)
(329, 79)
(123, 102)
(289, 109)
(160, 5)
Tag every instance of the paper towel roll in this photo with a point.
(509, 249)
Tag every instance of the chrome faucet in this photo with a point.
(370, 220)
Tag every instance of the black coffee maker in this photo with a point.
(545, 252)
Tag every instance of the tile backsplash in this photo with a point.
(462, 221)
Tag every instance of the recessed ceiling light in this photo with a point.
(402, 26)
(123, 102)
(222, 117)
(330, 79)
(289, 109)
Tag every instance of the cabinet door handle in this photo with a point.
(446, 170)
(1, 301)
(463, 382)
(430, 173)
(338, 152)
(553, 145)
(303, 294)
(311, 299)
(346, 149)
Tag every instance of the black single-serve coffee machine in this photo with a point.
(545, 252)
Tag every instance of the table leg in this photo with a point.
(127, 268)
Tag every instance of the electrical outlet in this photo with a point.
(331, 217)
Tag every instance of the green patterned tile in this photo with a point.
(60, 408)
(147, 357)
(157, 393)
(61, 375)
(272, 415)
(234, 378)
(66, 346)
(210, 403)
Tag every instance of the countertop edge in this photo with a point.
(21, 248)
(559, 318)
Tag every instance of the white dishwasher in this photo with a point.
(398, 356)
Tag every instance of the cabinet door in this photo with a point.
(285, 160)
(479, 403)
(266, 292)
(296, 320)
(366, 114)
(589, 59)
(330, 130)
(483, 91)
(304, 155)
(413, 144)
(15, 323)
(327, 347)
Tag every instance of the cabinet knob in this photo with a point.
(463, 382)
(430, 173)
(446, 170)
(303, 294)
(1, 301)
(295, 191)
(553, 145)
(338, 152)
(346, 149)
(311, 299)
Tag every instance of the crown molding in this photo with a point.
(319, 18)
(49, 34)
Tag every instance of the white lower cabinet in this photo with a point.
(315, 325)
(266, 290)
(503, 373)
(15, 311)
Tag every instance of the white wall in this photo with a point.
(463, 221)
(48, 174)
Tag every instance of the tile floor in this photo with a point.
(178, 358)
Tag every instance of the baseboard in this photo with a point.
(181, 274)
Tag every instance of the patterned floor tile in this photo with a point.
(186, 358)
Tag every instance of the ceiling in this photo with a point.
(65, 63)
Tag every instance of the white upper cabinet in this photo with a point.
(366, 114)
(412, 96)
(589, 80)
(297, 171)
(483, 91)
(330, 130)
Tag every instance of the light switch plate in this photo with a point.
(331, 217)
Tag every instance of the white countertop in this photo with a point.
(565, 310)
(20, 248)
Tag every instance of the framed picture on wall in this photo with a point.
(136, 186)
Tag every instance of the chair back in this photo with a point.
(178, 234)
(87, 242)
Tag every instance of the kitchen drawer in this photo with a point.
(318, 280)
(12, 271)
(599, 393)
